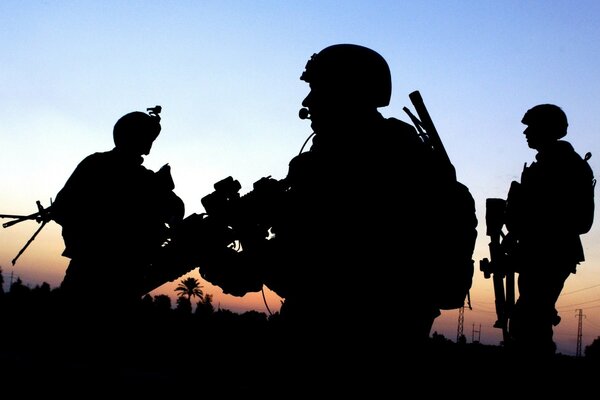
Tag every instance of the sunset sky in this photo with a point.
(227, 76)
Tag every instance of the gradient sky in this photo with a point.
(227, 75)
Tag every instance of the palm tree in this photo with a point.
(190, 287)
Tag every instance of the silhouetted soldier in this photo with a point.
(545, 215)
(114, 214)
(352, 221)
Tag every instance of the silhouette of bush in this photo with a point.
(592, 351)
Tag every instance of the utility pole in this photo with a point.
(478, 334)
(579, 331)
(461, 323)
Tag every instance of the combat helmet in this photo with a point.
(549, 118)
(136, 127)
(353, 70)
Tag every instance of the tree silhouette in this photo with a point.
(593, 350)
(204, 307)
(18, 289)
(190, 287)
(162, 302)
(184, 305)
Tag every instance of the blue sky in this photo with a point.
(227, 76)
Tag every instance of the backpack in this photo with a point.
(585, 185)
(453, 222)
(454, 237)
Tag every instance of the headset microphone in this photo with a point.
(304, 113)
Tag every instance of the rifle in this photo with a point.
(169, 263)
(427, 131)
(498, 265)
(41, 216)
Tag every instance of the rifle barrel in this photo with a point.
(19, 218)
(12, 216)
(427, 122)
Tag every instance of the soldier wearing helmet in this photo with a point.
(136, 132)
(353, 214)
(354, 73)
(549, 118)
(115, 215)
(542, 218)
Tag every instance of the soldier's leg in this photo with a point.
(532, 321)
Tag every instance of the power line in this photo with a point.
(574, 309)
(590, 322)
(579, 290)
(583, 302)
